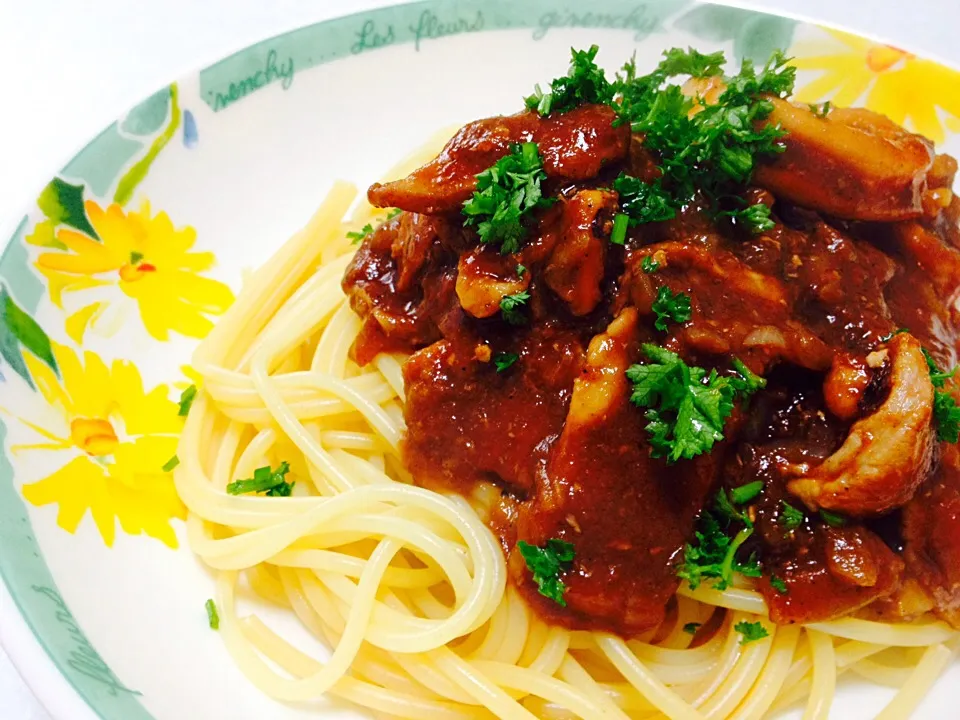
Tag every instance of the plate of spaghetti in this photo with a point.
(480, 360)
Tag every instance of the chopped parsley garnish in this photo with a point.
(745, 493)
(367, 230)
(687, 407)
(504, 360)
(751, 631)
(213, 617)
(755, 218)
(266, 480)
(170, 464)
(713, 554)
(778, 584)
(670, 307)
(691, 628)
(707, 147)
(792, 518)
(820, 109)
(643, 202)
(546, 563)
(510, 307)
(521, 270)
(649, 265)
(746, 382)
(506, 195)
(186, 400)
(135, 257)
(361, 235)
(621, 221)
(833, 519)
(946, 413)
(584, 83)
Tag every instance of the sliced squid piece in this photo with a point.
(575, 269)
(484, 278)
(888, 453)
(853, 163)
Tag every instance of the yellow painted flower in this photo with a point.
(147, 258)
(919, 94)
(111, 440)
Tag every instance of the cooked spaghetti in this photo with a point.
(639, 407)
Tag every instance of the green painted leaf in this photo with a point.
(755, 35)
(148, 117)
(761, 35)
(63, 203)
(18, 331)
(135, 175)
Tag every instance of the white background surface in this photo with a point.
(70, 67)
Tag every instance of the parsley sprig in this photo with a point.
(266, 480)
(946, 413)
(510, 307)
(670, 307)
(547, 563)
(713, 150)
(686, 406)
(713, 553)
(751, 631)
(584, 83)
(506, 195)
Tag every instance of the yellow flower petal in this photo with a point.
(46, 380)
(76, 324)
(77, 487)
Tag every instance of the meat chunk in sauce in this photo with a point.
(574, 146)
(853, 163)
(886, 454)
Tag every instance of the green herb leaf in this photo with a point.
(747, 381)
(213, 617)
(170, 464)
(833, 519)
(584, 83)
(510, 307)
(644, 202)
(791, 517)
(547, 563)
(271, 482)
(504, 360)
(670, 307)
(687, 407)
(692, 62)
(756, 218)
(621, 221)
(820, 109)
(691, 628)
(946, 415)
(745, 493)
(394, 212)
(521, 270)
(361, 235)
(649, 265)
(751, 631)
(506, 195)
(778, 584)
(186, 400)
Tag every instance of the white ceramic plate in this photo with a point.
(212, 173)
